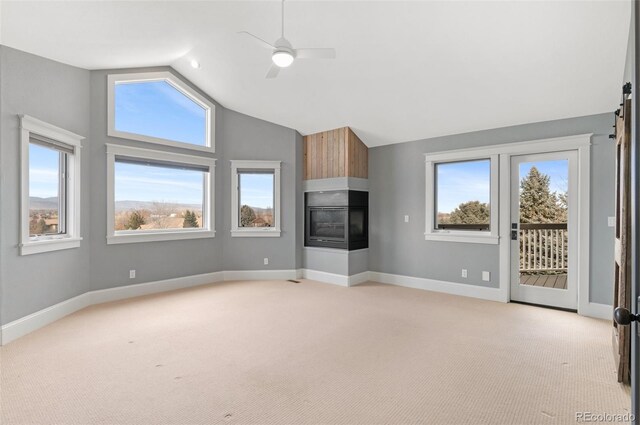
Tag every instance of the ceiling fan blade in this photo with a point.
(258, 39)
(316, 53)
(273, 71)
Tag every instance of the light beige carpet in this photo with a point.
(276, 352)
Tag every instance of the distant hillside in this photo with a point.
(36, 203)
(262, 211)
(139, 205)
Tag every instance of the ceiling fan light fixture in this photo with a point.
(282, 58)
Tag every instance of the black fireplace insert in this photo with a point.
(337, 219)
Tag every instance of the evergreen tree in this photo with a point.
(190, 219)
(472, 212)
(136, 220)
(247, 215)
(537, 203)
(40, 227)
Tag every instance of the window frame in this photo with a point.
(178, 84)
(237, 167)
(453, 235)
(135, 236)
(72, 206)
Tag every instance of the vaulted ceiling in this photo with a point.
(404, 70)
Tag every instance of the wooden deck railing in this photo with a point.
(543, 247)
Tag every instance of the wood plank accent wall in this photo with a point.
(335, 153)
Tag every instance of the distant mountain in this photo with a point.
(141, 205)
(36, 203)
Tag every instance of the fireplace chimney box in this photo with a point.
(337, 219)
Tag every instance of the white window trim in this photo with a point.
(433, 234)
(177, 83)
(208, 216)
(72, 238)
(236, 230)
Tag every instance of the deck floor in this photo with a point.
(558, 281)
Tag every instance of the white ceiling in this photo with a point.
(404, 70)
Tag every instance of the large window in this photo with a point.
(462, 198)
(50, 187)
(255, 198)
(158, 196)
(159, 108)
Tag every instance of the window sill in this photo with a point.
(47, 245)
(158, 236)
(464, 238)
(267, 233)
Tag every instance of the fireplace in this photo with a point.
(337, 219)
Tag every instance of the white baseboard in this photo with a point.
(359, 278)
(335, 279)
(482, 292)
(20, 327)
(27, 324)
(260, 274)
(597, 311)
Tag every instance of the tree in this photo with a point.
(247, 215)
(136, 220)
(190, 219)
(537, 203)
(472, 212)
(40, 227)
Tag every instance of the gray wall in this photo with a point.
(247, 138)
(57, 94)
(397, 188)
(152, 260)
(76, 100)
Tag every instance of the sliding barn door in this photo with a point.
(622, 287)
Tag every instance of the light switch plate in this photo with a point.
(464, 272)
(486, 276)
(406, 218)
(132, 274)
(611, 221)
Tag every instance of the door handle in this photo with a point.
(622, 316)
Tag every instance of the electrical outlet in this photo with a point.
(406, 218)
(266, 261)
(486, 276)
(132, 274)
(611, 221)
(464, 273)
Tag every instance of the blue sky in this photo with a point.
(558, 171)
(461, 182)
(156, 108)
(43, 171)
(256, 190)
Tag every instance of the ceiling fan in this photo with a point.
(284, 54)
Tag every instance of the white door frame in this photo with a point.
(581, 144)
(563, 298)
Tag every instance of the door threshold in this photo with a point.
(570, 310)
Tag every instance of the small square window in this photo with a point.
(461, 198)
(255, 199)
(463, 194)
